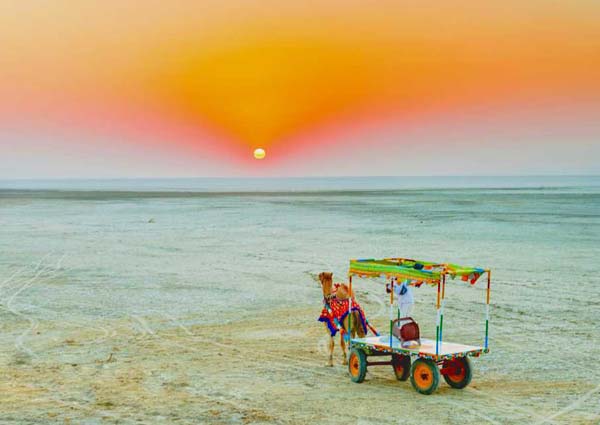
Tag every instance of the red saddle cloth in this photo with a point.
(337, 312)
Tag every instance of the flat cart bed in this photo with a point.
(447, 350)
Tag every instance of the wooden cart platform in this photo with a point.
(446, 350)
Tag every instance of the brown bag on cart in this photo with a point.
(407, 332)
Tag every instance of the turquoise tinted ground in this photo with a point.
(184, 243)
(202, 249)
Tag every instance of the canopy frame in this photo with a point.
(419, 272)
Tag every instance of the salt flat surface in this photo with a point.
(201, 307)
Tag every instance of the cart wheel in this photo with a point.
(357, 365)
(424, 376)
(461, 374)
(401, 366)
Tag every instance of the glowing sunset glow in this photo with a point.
(103, 89)
(259, 153)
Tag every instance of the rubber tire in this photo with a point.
(404, 363)
(432, 375)
(357, 362)
(466, 379)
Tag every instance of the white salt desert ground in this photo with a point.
(195, 301)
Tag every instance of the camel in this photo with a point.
(335, 314)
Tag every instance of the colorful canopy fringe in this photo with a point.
(418, 272)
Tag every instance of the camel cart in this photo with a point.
(434, 357)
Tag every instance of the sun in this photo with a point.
(259, 153)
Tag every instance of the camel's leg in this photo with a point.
(354, 323)
(346, 325)
(359, 329)
(331, 344)
(343, 344)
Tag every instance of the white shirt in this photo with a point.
(406, 301)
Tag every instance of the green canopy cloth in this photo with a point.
(416, 271)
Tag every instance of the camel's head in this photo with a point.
(326, 279)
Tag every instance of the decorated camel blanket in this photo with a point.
(335, 311)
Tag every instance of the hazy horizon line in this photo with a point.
(289, 177)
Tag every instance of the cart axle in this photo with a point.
(382, 363)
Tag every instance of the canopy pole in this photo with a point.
(437, 326)
(442, 308)
(391, 311)
(350, 311)
(487, 309)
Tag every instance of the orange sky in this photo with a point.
(225, 77)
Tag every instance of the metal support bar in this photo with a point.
(437, 323)
(487, 310)
(391, 311)
(442, 308)
(382, 363)
(350, 310)
(379, 353)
